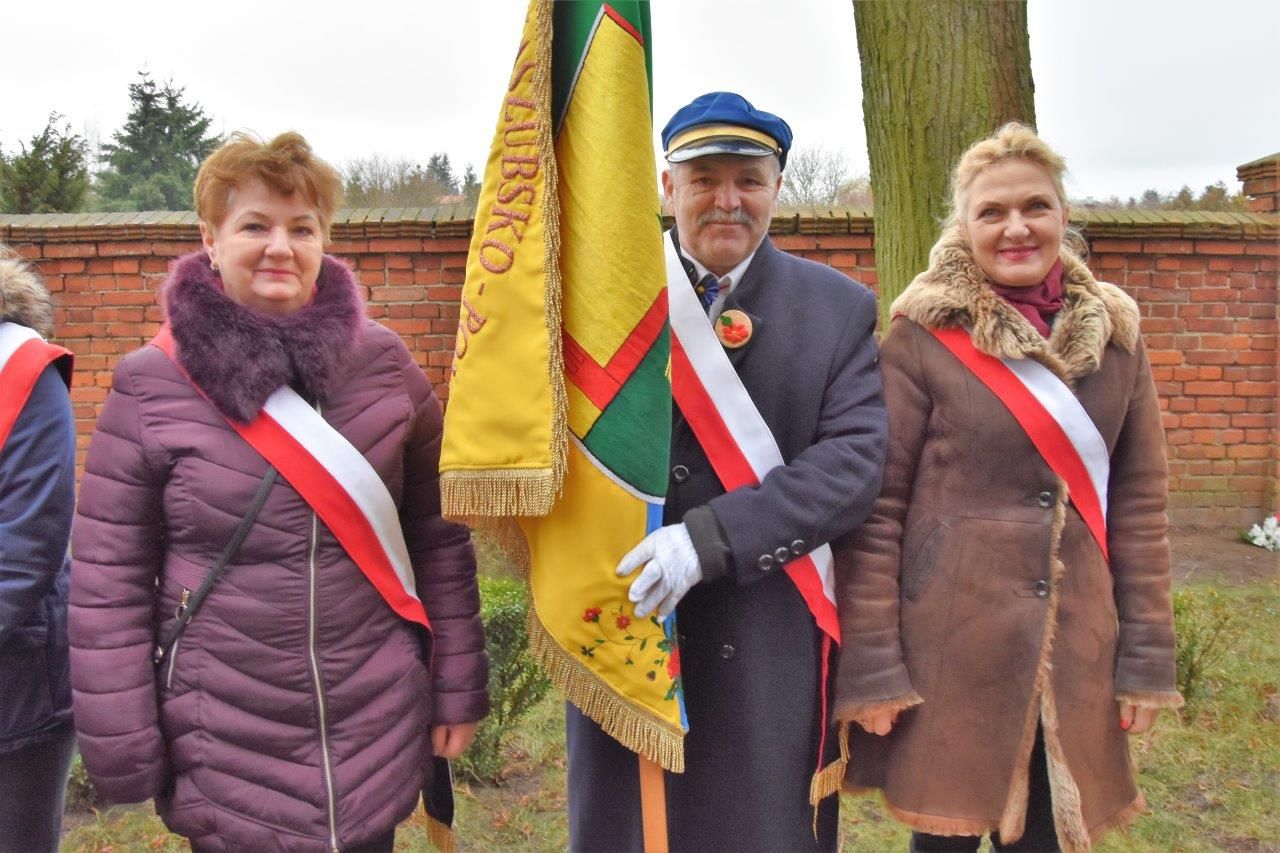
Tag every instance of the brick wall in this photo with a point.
(1206, 283)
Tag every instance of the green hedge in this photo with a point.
(515, 681)
(1208, 626)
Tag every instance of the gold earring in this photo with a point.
(213, 265)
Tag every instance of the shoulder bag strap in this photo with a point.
(188, 611)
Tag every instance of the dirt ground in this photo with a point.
(1204, 554)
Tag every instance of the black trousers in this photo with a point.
(1039, 836)
(33, 786)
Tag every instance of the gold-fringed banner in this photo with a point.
(504, 446)
(557, 435)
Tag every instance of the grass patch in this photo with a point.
(1212, 778)
(119, 829)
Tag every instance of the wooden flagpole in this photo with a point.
(653, 805)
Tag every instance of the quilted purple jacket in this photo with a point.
(295, 712)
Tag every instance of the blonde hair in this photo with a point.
(286, 164)
(23, 297)
(1013, 141)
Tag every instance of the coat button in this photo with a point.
(679, 473)
(1045, 499)
(727, 652)
(1042, 589)
(765, 563)
(782, 554)
(797, 547)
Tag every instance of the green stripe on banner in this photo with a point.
(572, 24)
(623, 437)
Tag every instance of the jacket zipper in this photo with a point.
(319, 684)
(173, 653)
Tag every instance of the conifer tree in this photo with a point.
(470, 186)
(152, 161)
(441, 171)
(49, 176)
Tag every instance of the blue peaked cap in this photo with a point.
(724, 123)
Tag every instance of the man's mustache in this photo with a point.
(716, 216)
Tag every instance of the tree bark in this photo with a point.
(937, 75)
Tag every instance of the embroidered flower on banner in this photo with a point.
(641, 642)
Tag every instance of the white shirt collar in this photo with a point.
(734, 275)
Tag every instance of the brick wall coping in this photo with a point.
(455, 221)
(1262, 166)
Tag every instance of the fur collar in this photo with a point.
(23, 298)
(953, 291)
(238, 356)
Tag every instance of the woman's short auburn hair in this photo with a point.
(286, 164)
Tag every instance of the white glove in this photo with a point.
(672, 568)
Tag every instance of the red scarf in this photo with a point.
(1039, 302)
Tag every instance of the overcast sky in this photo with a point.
(1135, 93)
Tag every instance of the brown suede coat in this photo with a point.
(975, 595)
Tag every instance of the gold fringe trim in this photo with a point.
(477, 494)
(471, 494)
(507, 534)
(636, 728)
(827, 781)
(440, 836)
(552, 298)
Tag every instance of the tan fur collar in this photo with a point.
(953, 291)
(23, 298)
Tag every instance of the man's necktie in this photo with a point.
(707, 288)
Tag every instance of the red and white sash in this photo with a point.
(731, 430)
(23, 357)
(338, 483)
(1052, 417)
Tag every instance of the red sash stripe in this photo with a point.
(730, 465)
(734, 471)
(1045, 433)
(19, 377)
(728, 453)
(326, 496)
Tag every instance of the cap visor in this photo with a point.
(723, 145)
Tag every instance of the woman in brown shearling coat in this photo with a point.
(993, 658)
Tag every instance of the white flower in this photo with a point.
(1267, 534)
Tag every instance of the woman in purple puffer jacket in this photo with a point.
(298, 710)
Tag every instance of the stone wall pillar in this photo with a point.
(1261, 180)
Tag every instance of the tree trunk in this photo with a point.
(937, 75)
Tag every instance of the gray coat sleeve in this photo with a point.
(826, 489)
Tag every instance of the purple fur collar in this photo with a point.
(238, 356)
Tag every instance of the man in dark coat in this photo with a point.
(37, 497)
(800, 337)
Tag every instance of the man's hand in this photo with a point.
(1137, 720)
(670, 569)
(452, 740)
